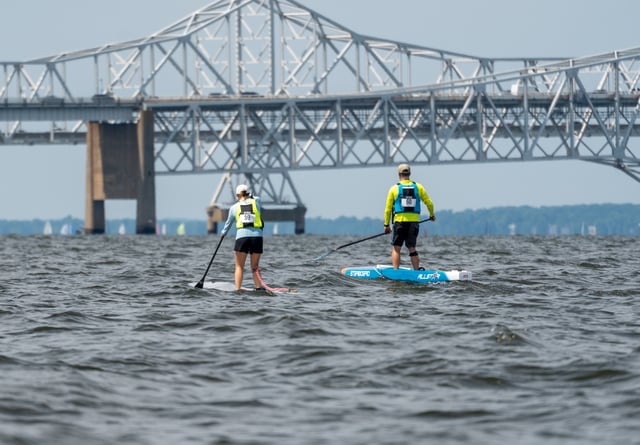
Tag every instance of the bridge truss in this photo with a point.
(256, 88)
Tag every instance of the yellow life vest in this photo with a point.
(248, 215)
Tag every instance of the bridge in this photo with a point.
(255, 89)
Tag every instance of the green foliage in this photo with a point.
(598, 219)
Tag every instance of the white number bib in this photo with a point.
(247, 218)
(408, 201)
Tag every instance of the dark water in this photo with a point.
(104, 341)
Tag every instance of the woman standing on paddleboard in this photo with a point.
(403, 204)
(246, 214)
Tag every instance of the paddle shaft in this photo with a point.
(200, 283)
(359, 241)
(362, 240)
(371, 237)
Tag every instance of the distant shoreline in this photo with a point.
(588, 219)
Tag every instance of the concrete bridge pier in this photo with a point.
(296, 214)
(120, 165)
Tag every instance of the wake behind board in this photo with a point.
(406, 274)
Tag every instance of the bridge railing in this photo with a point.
(229, 48)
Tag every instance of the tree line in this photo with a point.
(591, 219)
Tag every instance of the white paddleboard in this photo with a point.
(231, 287)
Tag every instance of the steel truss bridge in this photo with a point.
(254, 89)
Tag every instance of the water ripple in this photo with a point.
(105, 340)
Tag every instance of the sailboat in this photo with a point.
(181, 229)
(48, 230)
(121, 229)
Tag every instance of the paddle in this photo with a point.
(200, 283)
(358, 241)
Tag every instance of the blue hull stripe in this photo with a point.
(406, 274)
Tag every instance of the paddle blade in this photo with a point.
(200, 284)
(324, 255)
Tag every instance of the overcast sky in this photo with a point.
(49, 181)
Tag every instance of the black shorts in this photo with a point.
(250, 244)
(405, 233)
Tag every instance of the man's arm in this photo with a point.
(424, 197)
(388, 209)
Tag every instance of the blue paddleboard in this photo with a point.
(406, 274)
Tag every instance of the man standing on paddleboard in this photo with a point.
(403, 210)
(246, 214)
